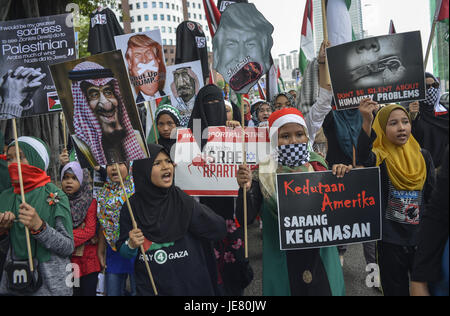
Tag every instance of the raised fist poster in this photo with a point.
(99, 108)
(28, 47)
(242, 46)
(143, 55)
(386, 69)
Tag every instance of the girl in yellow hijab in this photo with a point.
(407, 180)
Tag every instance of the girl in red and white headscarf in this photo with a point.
(290, 153)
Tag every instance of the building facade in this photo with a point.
(166, 15)
(288, 64)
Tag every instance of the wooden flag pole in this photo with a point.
(22, 193)
(325, 39)
(133, 221)
(244, 156)
(63, 122)
(153, 120)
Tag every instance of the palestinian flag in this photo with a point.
(339, 24)
(307, 39)
(443, 15)
(212, 16)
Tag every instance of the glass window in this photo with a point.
(163, 29)
(161, 17)
(145, 4)
(161, 5)
(168, 17)
(139, 18)
(146, 17)
(140, 29)
(138, 5)
(171, 42)
(164, 42)
(155, 17)
(167, 5)
(131, 7)
(147, 28)
(153, 4)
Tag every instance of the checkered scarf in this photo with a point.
(86, 126)
(294, 155)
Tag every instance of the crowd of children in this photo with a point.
(194, 247)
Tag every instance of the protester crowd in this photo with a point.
(203, 239)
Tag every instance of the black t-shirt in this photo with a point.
(192, 45)
(103, 27)
(188, 266)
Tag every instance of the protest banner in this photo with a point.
(316, 209)
(214, 169)
(99, 108)
(28, 47)
(143, 55)
(386, 69)
(242, 45)
(183, 81)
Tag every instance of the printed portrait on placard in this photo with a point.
(242, 46)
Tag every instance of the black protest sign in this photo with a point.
(319, 210)
(28, 47)
(386, 69)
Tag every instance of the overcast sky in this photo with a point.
(287, 15)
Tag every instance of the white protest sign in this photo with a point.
(213, 171)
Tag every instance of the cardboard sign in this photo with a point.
(182, 84)
(99, 108)
(242, 46)
(316, 209)
(28, 47)
(213, 171)
(143, 55)
(386, 69)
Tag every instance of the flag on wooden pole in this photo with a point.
(307, 38)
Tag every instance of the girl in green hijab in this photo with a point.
(46, 214)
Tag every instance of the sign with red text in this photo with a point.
(316, 209)
(213, 171)
(386, 69)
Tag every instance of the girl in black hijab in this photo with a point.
(235, 273)
(175, 230)
(209, 109)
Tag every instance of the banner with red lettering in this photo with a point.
(213, 171)
(386, 69)
(316, 209)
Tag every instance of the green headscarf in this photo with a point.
(49, 201)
